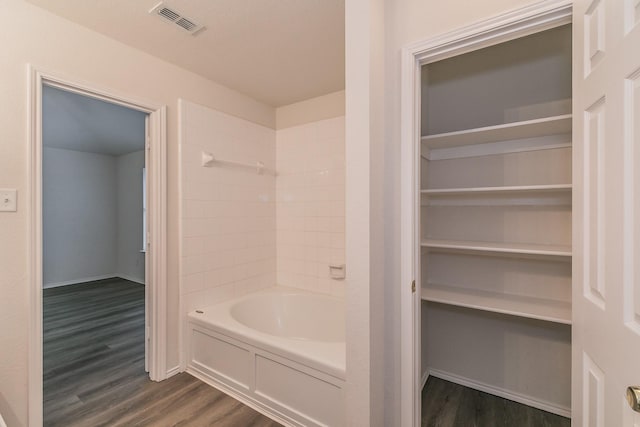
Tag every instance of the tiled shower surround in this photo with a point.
(310, 192)
(228, 214)
(242, 231)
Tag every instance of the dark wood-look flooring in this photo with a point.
(445, 404)
(94, 367)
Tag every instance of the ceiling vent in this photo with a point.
(172, 16)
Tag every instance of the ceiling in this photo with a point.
(75, 122)
(276, 51)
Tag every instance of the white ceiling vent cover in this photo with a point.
(172, 16)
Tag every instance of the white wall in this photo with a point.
(504, 352)
(365, 186)
(531, 71)
(130, 261)
(79, 216)
(311, 110)
(310, 194)
(228, 214)
(92, 216)
(55, 44)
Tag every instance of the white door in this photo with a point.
(606, 232)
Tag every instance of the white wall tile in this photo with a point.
(206, 297)
(192, 246)
(228, 215)
(241, 231)
(192, 282)
(310, 194)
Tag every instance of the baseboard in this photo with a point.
(130, 278)
(93, 279)
(77, 281)
(425, 377)
(173, 371)
(501, 392)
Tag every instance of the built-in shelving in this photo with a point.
(495, 216)
(535, 308)
(519, 189)
(532, 195)
(547, 126)
(524, 249)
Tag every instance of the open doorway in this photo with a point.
(94, 246)
(152, 262)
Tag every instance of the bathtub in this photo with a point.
(280, 351)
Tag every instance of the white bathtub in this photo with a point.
(281, 351)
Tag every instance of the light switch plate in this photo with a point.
(8, 198)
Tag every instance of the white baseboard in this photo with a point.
(173, 371)
(130, 278)
(501, 392)
(92, 279)
(425, 377)
(77, 281)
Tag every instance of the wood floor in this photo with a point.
(94, 367)
(445, 404)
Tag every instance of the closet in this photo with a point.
(495, 219)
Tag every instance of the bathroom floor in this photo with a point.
(445, 404)
(94, 367)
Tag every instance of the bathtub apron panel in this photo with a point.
(298, 382)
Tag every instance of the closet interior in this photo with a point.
(495, 219)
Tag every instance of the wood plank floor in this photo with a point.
(445, 404)
(94, 367)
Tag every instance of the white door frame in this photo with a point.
(157, 226)
(531, 19)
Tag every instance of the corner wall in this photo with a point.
(228, 213)
(92, 217)
(304, 202)
(311, 110)
(80, 223)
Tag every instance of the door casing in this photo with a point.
(156, 280)
(518, 23)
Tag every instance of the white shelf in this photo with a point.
(547, 126)
(524, 189)
(531, 195)
(530, 307)
(499, 248)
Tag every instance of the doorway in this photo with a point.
(94, 247)
(427, 254)
(148, 266)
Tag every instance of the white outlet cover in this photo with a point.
(8, 199)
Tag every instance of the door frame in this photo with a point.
(513, 24)
(156, 256)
